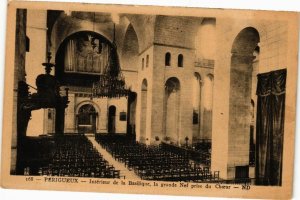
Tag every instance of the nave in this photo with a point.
(157, 162)
(112, 156)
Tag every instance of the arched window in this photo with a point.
(168, 59)
(147, 61)
(180, 60)
(252, 108)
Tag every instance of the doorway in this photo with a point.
(86, 119)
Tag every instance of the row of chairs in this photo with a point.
(201, 155)
(68, 155)
(155, 162)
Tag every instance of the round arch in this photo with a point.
(80, 33)
(198, 75)
(86, 118)
(87, 102)
(241, 68)
(211, 76)
(65, 26)
(82, 55)
(145, 33)
(173, 82)
(246, 41)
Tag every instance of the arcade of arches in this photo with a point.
(188, 93)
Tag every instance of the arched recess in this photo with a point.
(207, 106)
(172, 110)
(111, 126)
(86, 118)
(196, 105)
(87, 102)
(240, 97)
(143, 119)
(143, 26)
(130, 50)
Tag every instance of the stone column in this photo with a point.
(19, 75)
(231, 115)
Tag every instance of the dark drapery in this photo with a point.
(270, 127)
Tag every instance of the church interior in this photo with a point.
(149, 97)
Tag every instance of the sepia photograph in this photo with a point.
(107, 98)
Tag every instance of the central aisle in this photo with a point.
(118, 165)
